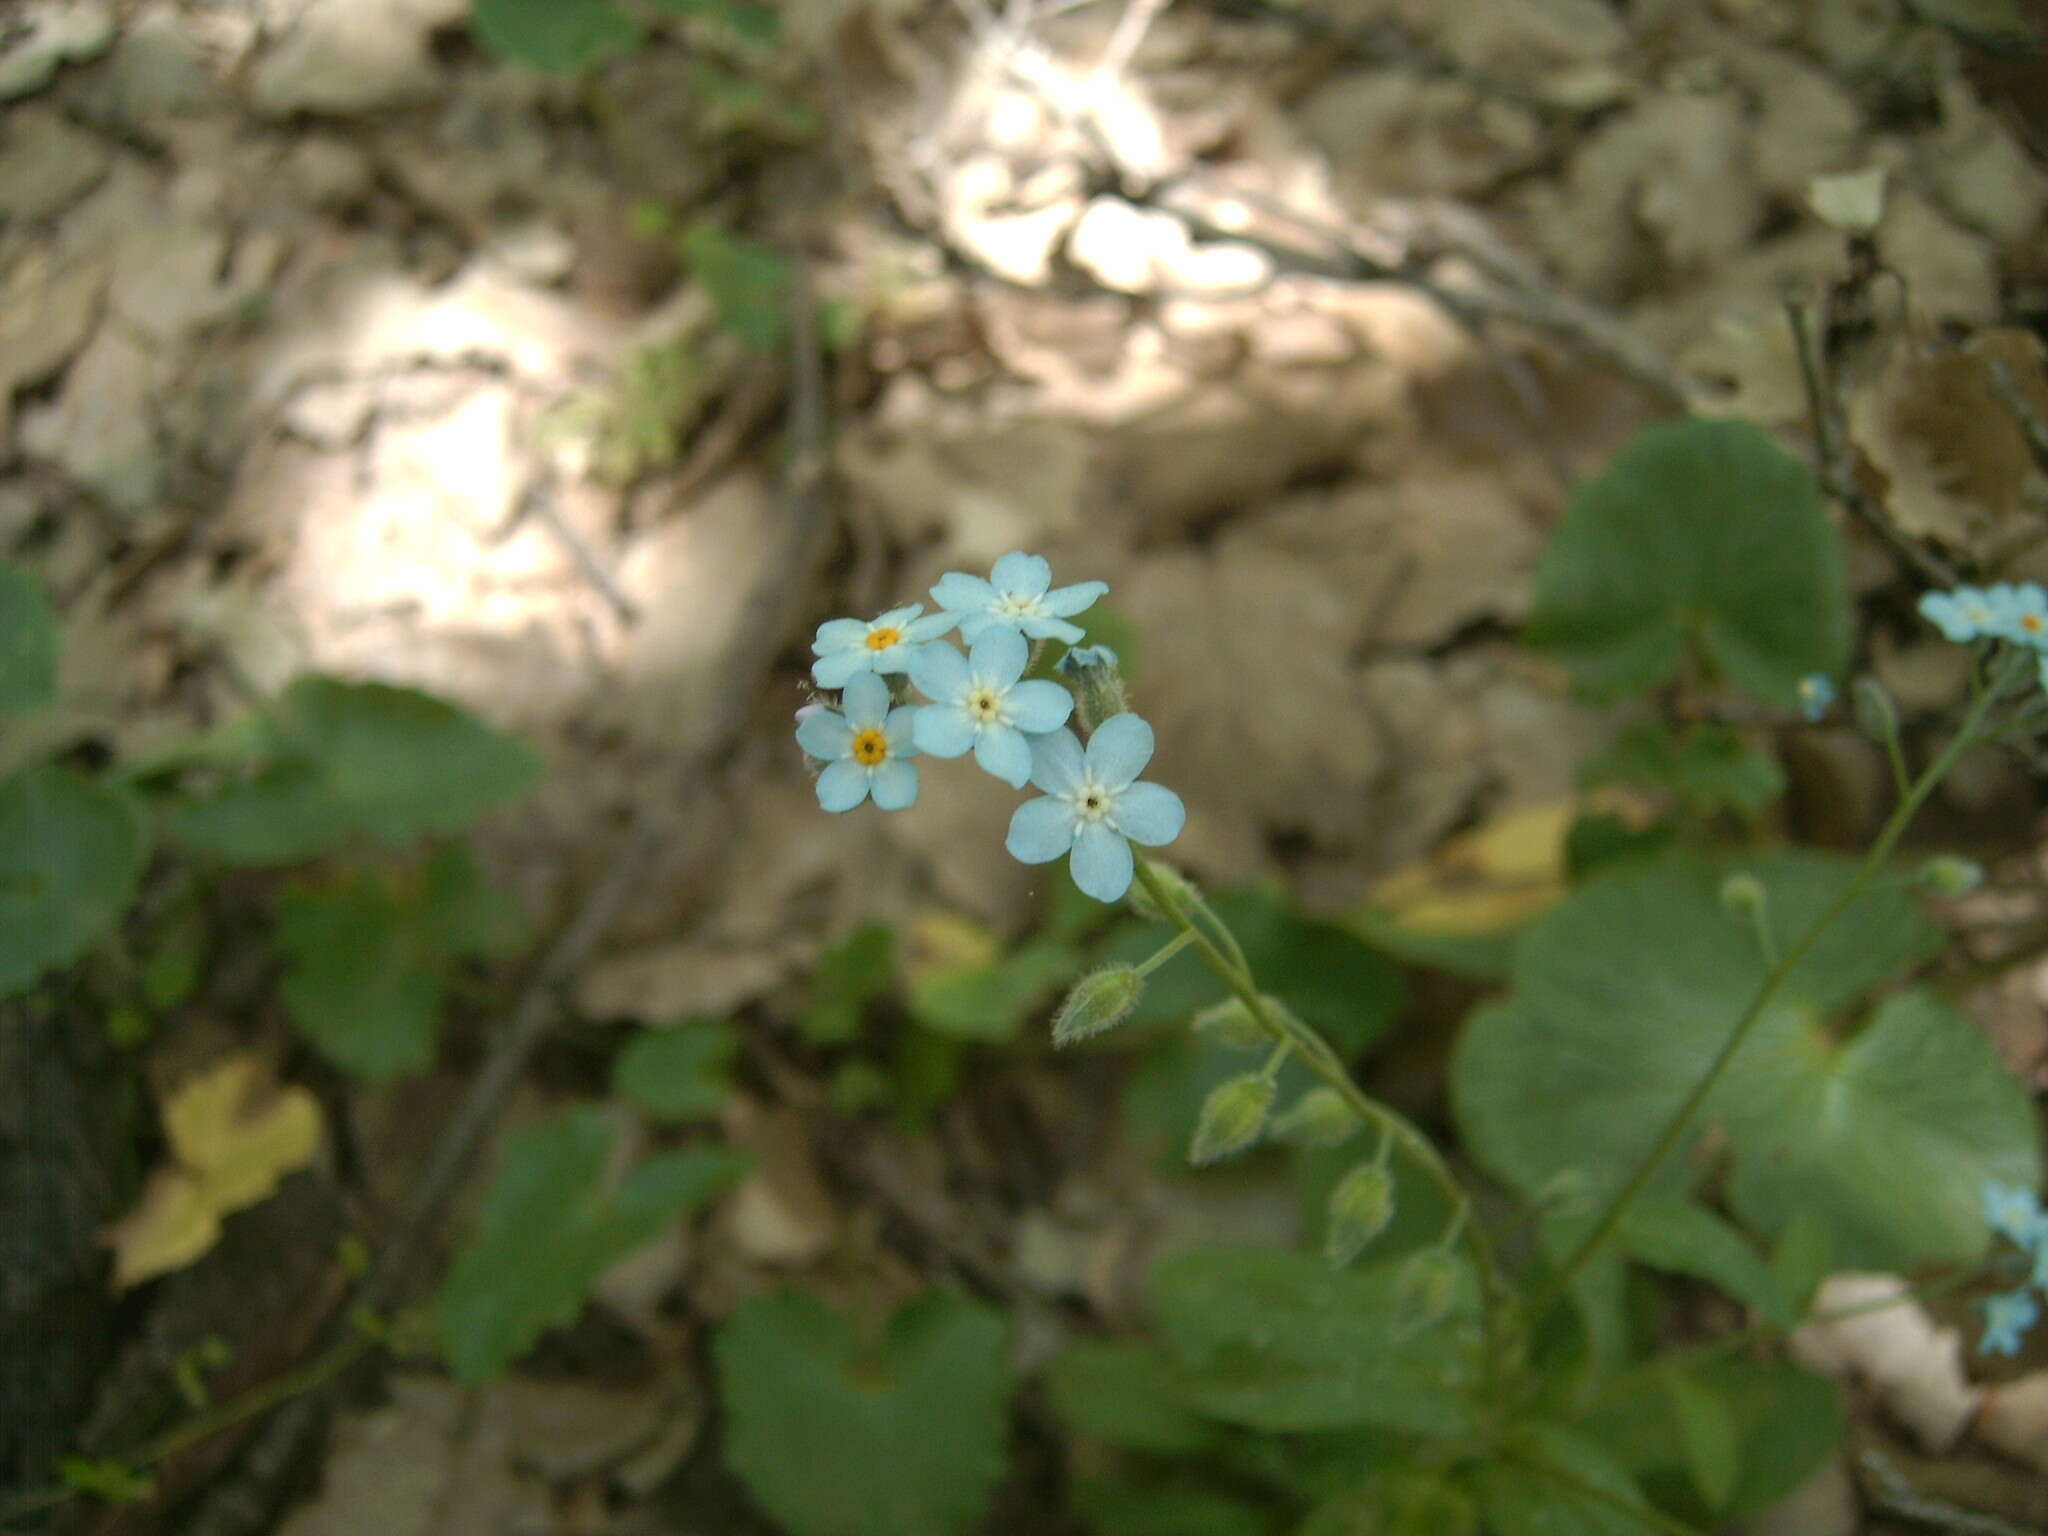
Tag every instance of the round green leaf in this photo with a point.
(28, 642)
(71, 851)
(678, 1073)
(1704, 533)
(904, 1436)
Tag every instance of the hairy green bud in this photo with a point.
(1319, 1118)
(1178, 886)
(1947, 875)
(1423, 1291)
(1100, 1000)
(1230, 1024)
(1742, 894)
(1876, 714)
(1096, 680)
(1232, 1117)
(1360, 1207)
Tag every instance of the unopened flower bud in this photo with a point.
(1947, 875)
(1178, 886)
(1097, 682)
(1424, 1290)
(1100, 1000)
(1876, 715)
(1231, 1025)
(1232, 1117)
(1319, 1118)
(1742, 894)
(1360, 1207)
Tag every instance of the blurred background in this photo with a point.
(572, 361)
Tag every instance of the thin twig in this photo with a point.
(2022, 409)
(539, 504)
(1895, 1496)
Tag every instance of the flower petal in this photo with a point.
(866, 700)
(896, 618)
(1022, 574)
(842, 786)
(998, 658)
(940, 673)
(895, 658)
(1038, 706)
(930, 627)
(1063, 602)
(1119, 750)
(959, 592)
(1003, 751)
(944, 730)
(974, 625)
(895, 784)
(836, 670)
(838, 634)
(1041, 628)
(1040, 831)
(1150, 814)
(1056, 762)
(1102, 863)
(825, 735)
(901, 729)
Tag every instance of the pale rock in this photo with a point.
(1951, 273)
(173, 278)
(1912, 1364)
(781, 1213)
(58, 32)
(47, 306)
(1981, 173)
(1826, 1504)
(559, 1430)
(674, 981)
(328, 172)
(2014, 1419)
(45, 163)
(351, 56)
(98, 430)
(159, 67)
(1852, 201)
(987, 490)
(978, 192)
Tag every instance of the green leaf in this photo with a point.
(1784, 1423)
(851, 974)
(1710, 767)
(338, 760)
(1701, 534)
(71, 852)
(751, 23)
(1707, 1432)
(993, 1002)
(679, 1073)
(28, 642)
(748, 283)
(1889, 1139)
(898, 1435)
(1115, 1507)
(1125, 1393)
(558, 37)
(1682, 1238)
(461, 912)
(1552, 1481)
(359, 981)
(1281, 1342)
(1624, 995)
(549, 1228)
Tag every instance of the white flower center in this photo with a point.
(1013, 606)
(1092, 801)
(985, 705)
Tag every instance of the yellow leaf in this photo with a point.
(1494, 876)
(233, 1135)
(938, 943)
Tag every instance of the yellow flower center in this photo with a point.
(881, 639)
(870, 747)
(2032, 623)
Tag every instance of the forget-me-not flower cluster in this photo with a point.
(1092, 806)
(2016, 1215)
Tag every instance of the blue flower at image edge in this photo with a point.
(2021, 614)
(978, 702)
(1094, 807)
(2006, 1321)
(1816, 696)
(2015, 1213)
(863, 749)
(1017, 595)
(848, 647)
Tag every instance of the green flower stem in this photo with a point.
(258, 1399)
(1166, 952)
(1680, 1123)
(1288, 1031)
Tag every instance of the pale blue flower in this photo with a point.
(2006, 1320)
(2014, 1212)
(1085, 658)
(1018, 595)
(979, 702)
(1093, 806)
(1963, 615)
(2021, 614)
(1816, 695)
(864, 749)
(848, 647)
